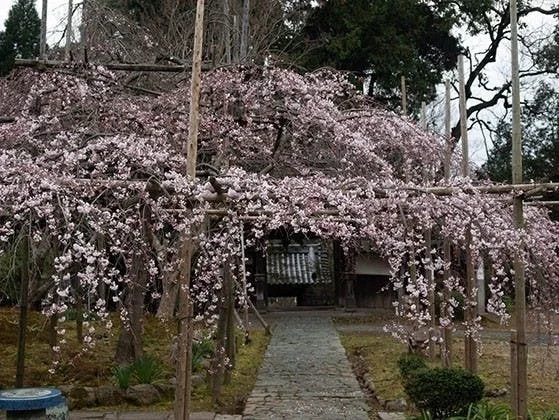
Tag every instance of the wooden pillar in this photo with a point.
(230, 344)
(68, 46)
(184, 366)
(244, 292)
(23, 308)
(43, 42)
(245, 24)
(447, 347)
(84, 32)
(463, 119)
(519, 355)
(429, 275)
(470, 311)
(227, 31)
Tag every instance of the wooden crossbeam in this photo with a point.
(145, 67)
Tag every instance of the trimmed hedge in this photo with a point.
(445, 392)
(410, 363)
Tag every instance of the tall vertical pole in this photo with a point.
(244, 283)
(227, 31)
(23, 309)
(184, 365)
(470, 310)
(519, 353)
(84, 32)
(245, 30)
(463, 118)
(447, 131)
(43, 44)
(447, 348)
(68, 31)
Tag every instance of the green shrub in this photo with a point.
(410, 363)
(200, 350)
(146, 369)
(122, 375)
(445, 392)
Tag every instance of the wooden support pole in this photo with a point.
(245, 24)
(446, 355)
(463, 119)
(83, 30)
(218, 361)
(143, 67)
(429, 275)
(519, 357)
(184, 367)
(230, 342)
(43, 41)
(244, 292)
(23, 309)
(68, 46)
(227, 31)
(470, 311)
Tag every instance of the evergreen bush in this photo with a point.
(410, 363)
(445, 392)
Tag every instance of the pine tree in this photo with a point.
(21, 36)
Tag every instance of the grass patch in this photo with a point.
(380, 352)
(234, 395)
(95, 367)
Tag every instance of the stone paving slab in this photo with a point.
(305, 374)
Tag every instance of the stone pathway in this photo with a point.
(305, 374)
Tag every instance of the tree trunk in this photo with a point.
(129, 347)
(168, 302)
(23, 307)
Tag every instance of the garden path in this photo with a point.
(305, 373)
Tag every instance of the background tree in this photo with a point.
(485, 92)
(380, 41)
(540, 143)
(21, 35)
